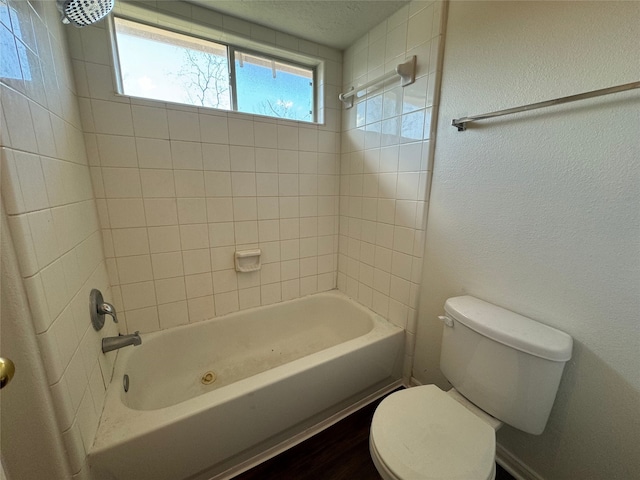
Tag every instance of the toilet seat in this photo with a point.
(423, 433)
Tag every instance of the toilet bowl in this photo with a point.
(504, 368)
(423, 433)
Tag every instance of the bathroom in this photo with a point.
(547, 228)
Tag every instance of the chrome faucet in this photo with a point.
(105, 308)
(98, 308)
(114, 343)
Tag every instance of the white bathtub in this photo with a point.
(283, 373)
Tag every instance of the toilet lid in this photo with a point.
(423, 433)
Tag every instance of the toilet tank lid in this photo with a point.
(510, 328)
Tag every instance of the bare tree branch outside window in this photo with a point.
(279, 108)
(204, 78)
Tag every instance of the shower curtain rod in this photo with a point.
(406, 70)
(461, 123)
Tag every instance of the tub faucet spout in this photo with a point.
(114, 343)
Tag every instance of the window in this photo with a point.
(15, 63)
(270, 87)
(168, 66)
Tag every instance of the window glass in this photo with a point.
(168, 66)
(164, 65)
(14, 62)
(271, 87)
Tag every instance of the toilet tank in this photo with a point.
(506, 364)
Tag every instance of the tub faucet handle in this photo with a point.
(108, 309)
(98, 308)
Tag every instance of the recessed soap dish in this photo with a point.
(248, 260)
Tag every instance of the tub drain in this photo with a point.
(208, 378)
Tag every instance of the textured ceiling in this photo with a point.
(335, 23)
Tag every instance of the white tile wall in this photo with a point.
(385, 167)
(181, 188)
(46, 187)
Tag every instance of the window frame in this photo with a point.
(314, 65)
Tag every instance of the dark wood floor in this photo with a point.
(340, 452)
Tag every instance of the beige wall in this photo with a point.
(48, 198)
(179, 189)
(538, 212)
(385, 167)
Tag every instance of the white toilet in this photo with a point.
(504, 368)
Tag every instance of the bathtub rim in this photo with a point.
(134, 423)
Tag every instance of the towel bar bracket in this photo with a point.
(406, 71)
(347, 101)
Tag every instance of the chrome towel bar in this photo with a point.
(461, 123)
(406, 70)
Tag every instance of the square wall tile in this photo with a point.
(201, 309)
(244, 208)
(226, 303)
(194, 236)
(143, 320)
(243, 184)
(167, 265)
(134, 269)
(125, 213)
(186, 155)
(170, 290)
(121, 182)
(153, 153)
(214, 129)
(160, 211)
(249, 297)
(241, 132)
(183, 125)
(199, 285)
(112, 118)
(271, 293)
(150, 122)
(196, 261)
(221, 234)
(216, 157)
(117, 151)
(130, 241)
(222, 258)
(25, 249)
(44, 237)
(189, 183)
(192, 210)
(164, 239)
(173, 314)
(31, 178)
(218, 184)
(138, 295)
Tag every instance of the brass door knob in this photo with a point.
(7, 369)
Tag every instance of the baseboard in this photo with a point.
(514, 466)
